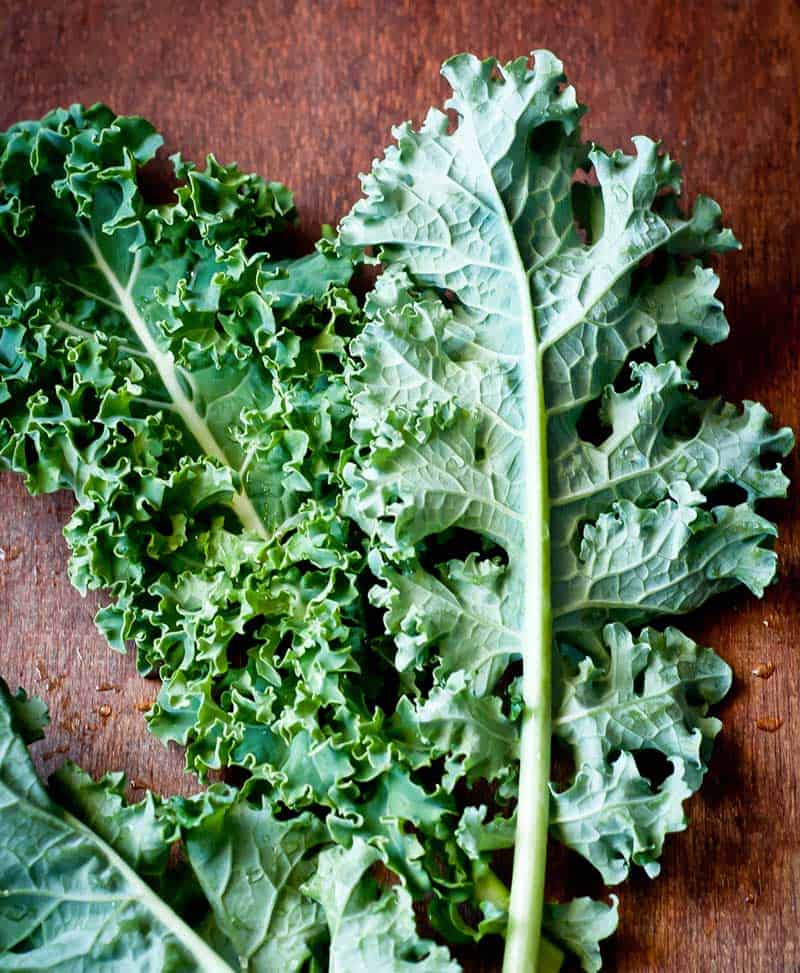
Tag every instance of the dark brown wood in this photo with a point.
(305, 92)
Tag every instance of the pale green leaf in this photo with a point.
(370, 929)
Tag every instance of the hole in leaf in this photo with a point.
(513, 671)
(587, 211)
(725, 495)
(546, 138)
(770, 460)
(653, 765)
(457, 544)
(448, 298)
(582, 233)
(562, 767)
(644, 354)
(577, 537)
(590, 426)
(452, 120)
(156, 181)
(638, 682)
(683, 422)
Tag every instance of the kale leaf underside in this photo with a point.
(485, 234)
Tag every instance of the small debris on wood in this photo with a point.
(71, 723)
(770, 724)
(47, 754)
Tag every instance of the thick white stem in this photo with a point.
(523, 936)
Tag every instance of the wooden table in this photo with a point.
(305, 92)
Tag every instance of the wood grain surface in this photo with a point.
(305, 92)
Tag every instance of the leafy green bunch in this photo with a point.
(191, 392)
(379, 553)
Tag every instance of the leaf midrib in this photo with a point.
(527, 888)
(167, 368)
(621, 804)
(595, 299)
(665, 693)
(140, 893)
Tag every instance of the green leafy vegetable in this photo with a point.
(334, 532)
(68, 901)
(370, 930)
(278, 895)
(603, 709)
(579, 926)
(251, 867)
(190, 391)
(140, 833)
(148, 364)
(512, 299)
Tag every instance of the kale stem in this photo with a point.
(523, 937)
(489, 888)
